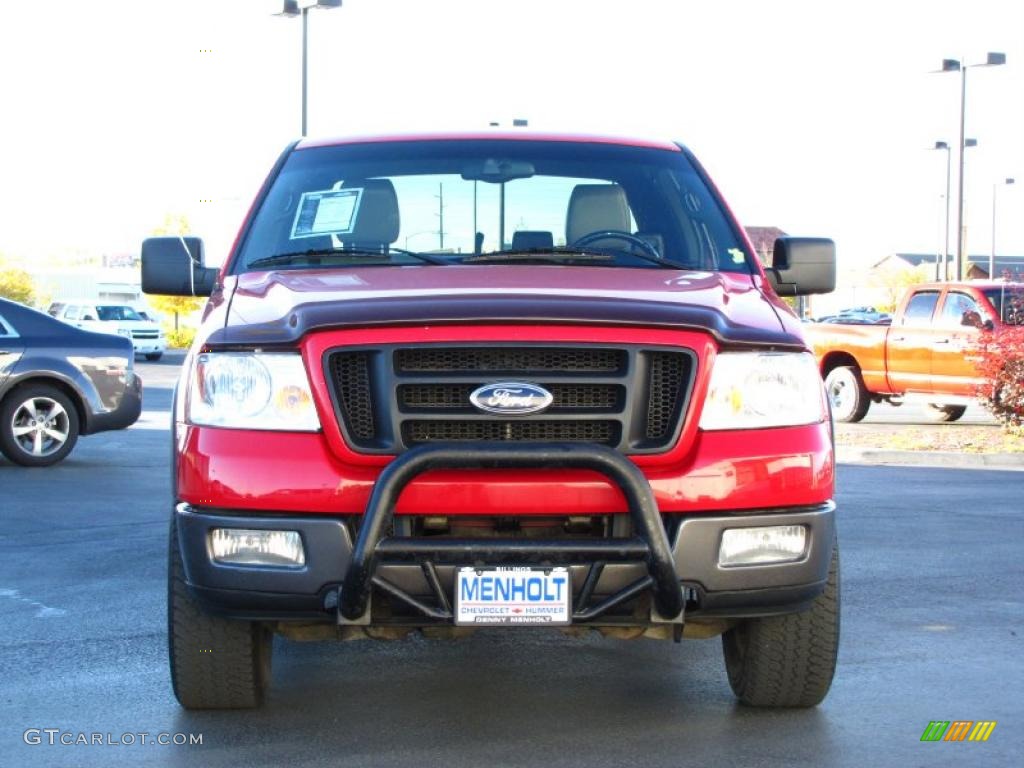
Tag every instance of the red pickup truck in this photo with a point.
(491, 380)
(925, 354)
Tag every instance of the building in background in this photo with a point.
(114, 278)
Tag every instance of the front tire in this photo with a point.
(215, 663)
(945, 413)
(38, 425)
(787, 661)
(847, 394)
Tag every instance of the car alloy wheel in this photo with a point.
(40, 426)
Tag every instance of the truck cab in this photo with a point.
(925, 354)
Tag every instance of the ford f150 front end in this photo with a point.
(582, 406)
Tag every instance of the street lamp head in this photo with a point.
(941, 145)
(288, 8)
(994, 59)
(950, 65)
(970, 142)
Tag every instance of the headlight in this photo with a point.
(124, 332)
(248, 390)
(751, 390)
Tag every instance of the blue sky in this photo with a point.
(811, 116)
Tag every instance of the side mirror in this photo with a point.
(802, 266)
(88, 318)
(173, 266)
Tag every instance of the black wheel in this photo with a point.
(938, 412)
(216, 663)
(787, 661)
(38, 425)
(154, 355)
(850, 399)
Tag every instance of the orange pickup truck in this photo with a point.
(925, 354)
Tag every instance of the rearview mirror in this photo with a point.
(496, 171)
(802, 266)
(173, 266)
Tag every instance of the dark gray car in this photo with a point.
(58, 382)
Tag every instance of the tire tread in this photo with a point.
(790, 660)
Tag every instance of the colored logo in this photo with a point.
(958, 730)
(511, 398)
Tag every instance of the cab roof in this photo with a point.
(498, 134)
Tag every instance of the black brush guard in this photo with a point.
(649, 545)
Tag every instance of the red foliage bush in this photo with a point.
(1002, 368)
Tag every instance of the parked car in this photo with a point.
(58, 382)
(146, 336)
(609, 420)
(923, 355)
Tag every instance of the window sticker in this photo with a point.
(326, 212)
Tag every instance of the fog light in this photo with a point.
(762, 546)
(245, 546)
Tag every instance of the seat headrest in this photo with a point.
(532, 239)
(595, 207)
(377, 220)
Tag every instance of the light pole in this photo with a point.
(941, 145)
(993, 59)
(301, 8)
(992, 255)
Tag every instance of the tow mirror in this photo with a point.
(802, 266)
(174, 266)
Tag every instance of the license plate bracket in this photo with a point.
(513, 596)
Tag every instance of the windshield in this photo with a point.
(1008, 302)
(112, 312)
(484, 201)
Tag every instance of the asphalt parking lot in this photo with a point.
(933, 619)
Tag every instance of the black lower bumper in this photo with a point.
(340, 575)
(127, 412)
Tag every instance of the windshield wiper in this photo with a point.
(317, 253)
(552, 254)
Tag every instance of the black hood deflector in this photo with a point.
(497, 309)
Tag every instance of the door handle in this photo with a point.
(898, 338)
(942, 341)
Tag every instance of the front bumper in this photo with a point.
(149, 346)
(339, 575)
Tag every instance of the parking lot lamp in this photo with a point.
(993, 59)
(297, 8)
(944, 258)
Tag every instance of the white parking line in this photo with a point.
(42, 611)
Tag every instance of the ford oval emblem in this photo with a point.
(511, 398)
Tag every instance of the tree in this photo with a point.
(16, 285)
(176, 305)
(175, 224)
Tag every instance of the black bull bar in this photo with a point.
(649, 544)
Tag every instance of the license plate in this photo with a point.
(524, 596)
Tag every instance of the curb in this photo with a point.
(882, 456)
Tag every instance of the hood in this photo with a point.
(281, 307)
